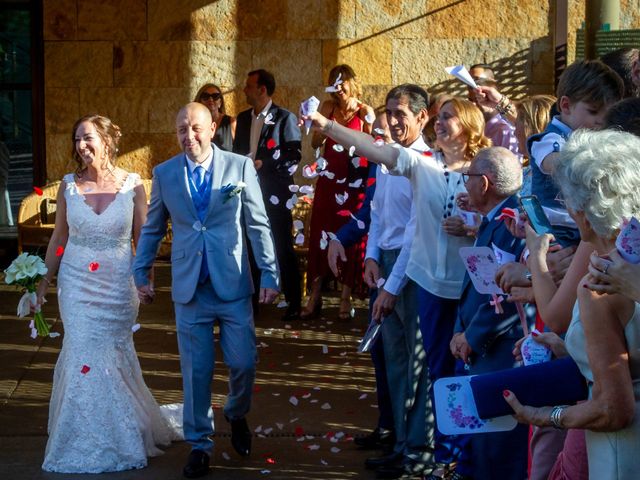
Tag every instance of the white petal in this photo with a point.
(338, 148)
(308, 172)
(292, 169)
(325, 349)
(323, 244)
(352, 150)
(384, 169)
(282, 304)
(322, 163)
(294, 188)
(379, 131)
(342, 180)
(274, 199)
(135, 328)
(293, 401)
(314, 447)
(326, 406)
(328, 174)
(355, 161)
(306, 189)
(379, 142)
(226, 456)
(276, 154)
(361, 224)
(370, 117)
(335, 449)
(317, 152)
(380, 282)
(356, 184)
(362, 397)
(299, 239)
(298, 225)
(24, 305)
(332, 236)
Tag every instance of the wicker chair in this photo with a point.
(37, 217)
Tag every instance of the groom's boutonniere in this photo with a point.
(232, 190)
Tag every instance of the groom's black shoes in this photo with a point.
(197, 464)
(240, 436)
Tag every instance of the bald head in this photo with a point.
(195, 129)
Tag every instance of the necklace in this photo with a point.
(449, 198)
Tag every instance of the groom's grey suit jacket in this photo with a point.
(222, 233)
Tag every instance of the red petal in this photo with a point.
(85, 369)
(256, 388)
(271, 460)
(299, 431)
(427, 153)
(370, 181)
(93, 266)
(59, 251)
(344, 213)
(364, 162)
(361, 196)
(307, 199)
(38, 190)
(271, 143)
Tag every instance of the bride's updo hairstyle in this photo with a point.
(108, 131)
(597, 173)
(472, 123)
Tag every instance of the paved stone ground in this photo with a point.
(334, 391)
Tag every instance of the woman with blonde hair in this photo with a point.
(533, 115)
(341, 189)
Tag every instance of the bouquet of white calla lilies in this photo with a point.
(26, 271)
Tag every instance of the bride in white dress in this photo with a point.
(102, 416)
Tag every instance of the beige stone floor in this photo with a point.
(335, 392)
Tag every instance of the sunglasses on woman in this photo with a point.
(213, 96)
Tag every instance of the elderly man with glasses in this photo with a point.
(483, 338)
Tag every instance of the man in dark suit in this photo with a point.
(270, 135)
(482, 338)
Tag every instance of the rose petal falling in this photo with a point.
(298, 225)
(352, 150)
(322, 163)
(323, 244)
(274, 199)
(293, 401)
(364, 162)
(306, 189)
(379, 142)
(344, 213)
(299, 239)
(38, 191)
(328, 174)
(85, 369)
(379, 131)
(276, 154)
(292, 169)
(380, 282)
(362, 397)
(294, 188)
(341, 198)
(93, 266)
(384, 169)
(356, 184)
(342, 180)
(271, 143)
(292, 201)
(59, 251)
(370, 181)
(355, 161)
(370, 117)
(309, 172)
(338, 148)
(427, 153)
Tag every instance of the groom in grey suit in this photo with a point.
(214, 202)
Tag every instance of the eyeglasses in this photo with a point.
(213, 96)
(466, 176)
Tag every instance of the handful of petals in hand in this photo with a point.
(26, 271)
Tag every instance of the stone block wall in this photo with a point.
(138, 61)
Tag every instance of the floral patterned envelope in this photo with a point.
(482, 266)
(456, 411)
(628, 241)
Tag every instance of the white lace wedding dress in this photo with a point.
(102, 417)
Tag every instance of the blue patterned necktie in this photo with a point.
(200, 179)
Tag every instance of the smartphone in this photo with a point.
(537, 218)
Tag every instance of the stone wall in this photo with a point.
(138, 61)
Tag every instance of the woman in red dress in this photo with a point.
(340, 189)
